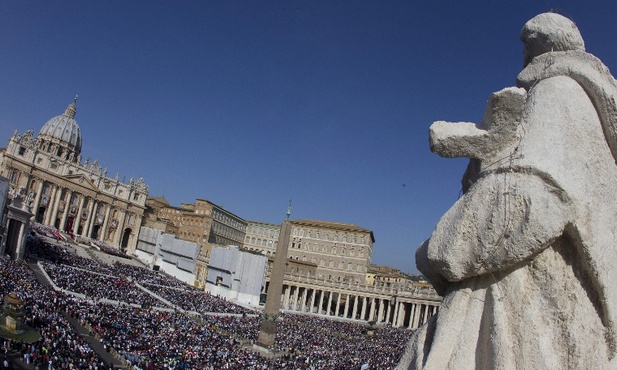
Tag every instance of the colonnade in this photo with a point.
(399, 311)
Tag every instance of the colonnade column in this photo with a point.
(371, 314)
(388, 312)
(329, 304)
(363, 313)
(396, 313)
(416, 318)
(303, 299)
(338, 303)
(401, 314)
(425, 319)
(286, 298)
(414, 311)
(294, 301)
(313, 300)
(354, 312)
(320, 302)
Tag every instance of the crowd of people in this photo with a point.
(152, 337)
(60, 346)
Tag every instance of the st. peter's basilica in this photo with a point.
(71, 195)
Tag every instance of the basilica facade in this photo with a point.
(74, 196)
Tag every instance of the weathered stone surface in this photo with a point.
(526, 258)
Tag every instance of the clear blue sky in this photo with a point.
(251, 103)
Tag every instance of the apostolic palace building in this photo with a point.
(69, 194)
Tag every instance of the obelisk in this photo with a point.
(267, 331)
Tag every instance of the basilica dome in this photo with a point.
(63, 132)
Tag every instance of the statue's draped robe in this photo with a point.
(526, 257)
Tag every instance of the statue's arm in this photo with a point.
(504, 219)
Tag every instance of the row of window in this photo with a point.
(338, 278)
(260, 242)
(253, 229)
(298, 244)
(320, 234)
(223, 218)
(342, 265)
(227, 232)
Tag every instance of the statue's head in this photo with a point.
(549, 32)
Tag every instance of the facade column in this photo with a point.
(54, 213)
(425, 318)
(363, 314)
(354, 312)
(103, 230)
(120, 228)
(434, 310)
(37, 199)
(338, 304)
(80, 209)
(91, 217)
(329, 304)
(388, 308)
(346, 311)
(65, 214)
(320, 302)
(50, 205)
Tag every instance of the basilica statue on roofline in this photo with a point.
(525, 259)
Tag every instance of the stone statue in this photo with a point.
(526, 259)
